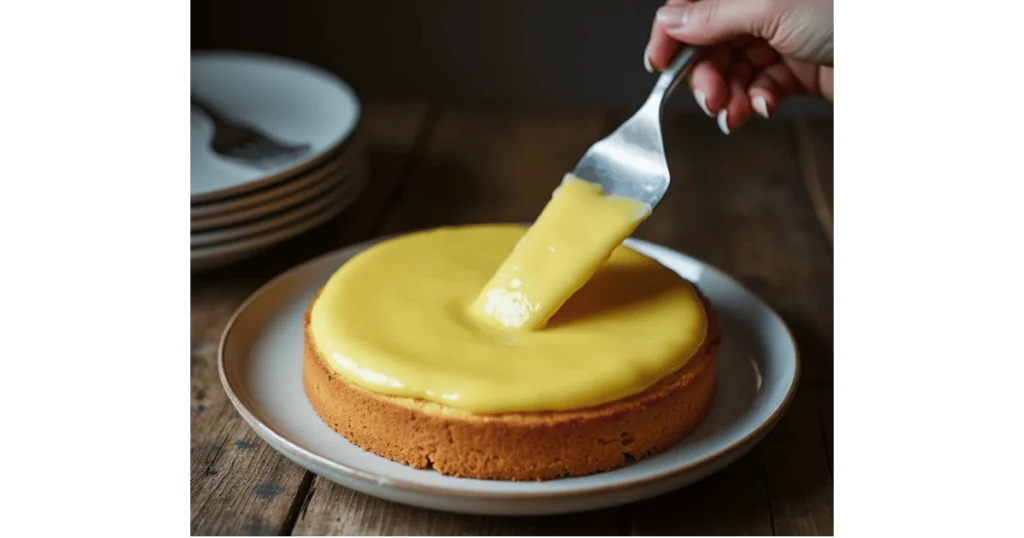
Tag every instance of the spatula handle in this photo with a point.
(670, 76)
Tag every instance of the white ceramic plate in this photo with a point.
(261, 369)
(314, 206)
(220, 255)
(289, 100)
(330, 177)
(333, 164)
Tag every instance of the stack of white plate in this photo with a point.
(241, 207)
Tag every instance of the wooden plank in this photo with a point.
(735, 202)
(479, 167)
(732, 502)
(815, 142)
(335, 510)
(797, 469)
(238, 484)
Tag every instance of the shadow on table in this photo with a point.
(815, 350)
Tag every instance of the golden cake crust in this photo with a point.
(515, 446)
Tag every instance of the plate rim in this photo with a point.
(266, 181)
(271, 207)
(337, 162)
(277, 235)
(336, 193)
(372, 479)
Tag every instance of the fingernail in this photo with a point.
(673, 16)
(647, 63)
(702, 100)
(723, 120)
(760, 105)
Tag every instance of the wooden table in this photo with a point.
(756, 203)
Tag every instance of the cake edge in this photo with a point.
(516, 446)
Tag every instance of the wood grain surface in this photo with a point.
(741, 203)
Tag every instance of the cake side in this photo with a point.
(516, 446)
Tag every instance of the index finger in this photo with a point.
(661, 48)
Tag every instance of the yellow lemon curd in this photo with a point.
(501, 318)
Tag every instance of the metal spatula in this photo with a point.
(631, 161)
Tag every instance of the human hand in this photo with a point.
(755, 53)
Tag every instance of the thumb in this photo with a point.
(707, 22)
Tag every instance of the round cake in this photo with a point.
(392, 361)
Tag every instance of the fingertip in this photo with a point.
(766, 94)
(660, 50)
(739, 106)
(661, 47)
(739, 112)
(760, 105)
(723, 121)
(706, 79)
(774, 84)
(702, 101)
(737, 115)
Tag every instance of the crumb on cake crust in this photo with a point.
(516, 446)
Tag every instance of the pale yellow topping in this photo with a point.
(397, 318)
(571, 238)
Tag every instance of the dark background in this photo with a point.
(496, 53)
